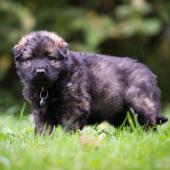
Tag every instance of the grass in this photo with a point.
(94, 148)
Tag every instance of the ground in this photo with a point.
(99, 147)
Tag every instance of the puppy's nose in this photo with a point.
(40, 72)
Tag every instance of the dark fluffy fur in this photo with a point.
(83, 88)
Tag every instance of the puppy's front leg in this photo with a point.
(38, 119)
(42, 125)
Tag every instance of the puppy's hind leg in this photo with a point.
(144, 104)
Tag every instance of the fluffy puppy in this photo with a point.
(74, 89)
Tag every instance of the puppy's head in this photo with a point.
(40, 57)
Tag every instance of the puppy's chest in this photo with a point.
(58, 100)
(55, 104)
(68, 96)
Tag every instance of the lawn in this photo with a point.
(94, 148)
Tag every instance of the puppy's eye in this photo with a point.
(28, 59)
(17, 58)
(52, 58)
(61, 56)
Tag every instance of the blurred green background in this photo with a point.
(135, 28)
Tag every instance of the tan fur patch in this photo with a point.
(26, 64)
(51, 52)
(55, 64)
(27, 54)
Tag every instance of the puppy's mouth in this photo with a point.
(41, 81)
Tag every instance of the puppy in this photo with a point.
(74, 89)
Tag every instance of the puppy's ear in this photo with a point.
(62, 49)
(17, 52)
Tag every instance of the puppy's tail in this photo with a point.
(161, 119)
